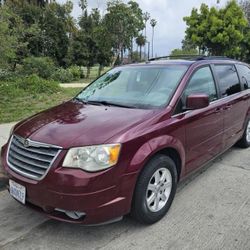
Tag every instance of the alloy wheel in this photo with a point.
(159, 189)
(248, 132)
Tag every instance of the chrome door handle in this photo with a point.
(218, 110)
(246, 97)
(228, 107)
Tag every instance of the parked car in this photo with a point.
(124, 142)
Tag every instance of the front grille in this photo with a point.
(29, 158)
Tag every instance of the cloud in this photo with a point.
(170, 29)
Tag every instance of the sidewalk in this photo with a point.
(4, 135)
(74, 85)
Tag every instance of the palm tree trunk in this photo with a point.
(153, 42)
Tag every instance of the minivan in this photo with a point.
(124, 142)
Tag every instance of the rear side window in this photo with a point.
(244, 72)
(229, 83)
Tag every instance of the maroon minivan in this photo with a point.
(123, 143)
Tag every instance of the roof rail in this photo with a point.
(191, 57)
(214, 58)
(187, 57)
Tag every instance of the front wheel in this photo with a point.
(244, 142)
(155, 190)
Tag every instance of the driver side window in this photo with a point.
(202, 82)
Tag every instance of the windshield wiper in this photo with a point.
(80, 100)
(104, 103)
(107, 103)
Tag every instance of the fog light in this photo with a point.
(75, 215)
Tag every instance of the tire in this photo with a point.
(244, 142)
(160, 170)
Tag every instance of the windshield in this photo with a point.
(135, 87)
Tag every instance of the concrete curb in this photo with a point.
(3, 181)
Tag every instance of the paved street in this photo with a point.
(211, 211)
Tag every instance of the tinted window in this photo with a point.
(244, 72)
(202, 82)
(228, 79)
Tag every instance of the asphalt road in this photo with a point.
(211, 211)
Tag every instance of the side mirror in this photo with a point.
(197, 101)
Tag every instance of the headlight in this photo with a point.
(92, 158)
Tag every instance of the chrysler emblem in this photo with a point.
(26, 143)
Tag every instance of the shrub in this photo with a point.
(62, 75)
(6, 75)
(76, 71)
(41, 66)
(35, 84)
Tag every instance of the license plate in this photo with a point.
(17, 191)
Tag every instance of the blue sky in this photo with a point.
(170, 29)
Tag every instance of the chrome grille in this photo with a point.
(29, 158)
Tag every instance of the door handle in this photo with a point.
(218, 110)
(228, 107)
(246, 97)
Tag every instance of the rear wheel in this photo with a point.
(155, 190)
(244, 142)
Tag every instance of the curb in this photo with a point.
(3, 182)
(3, 179)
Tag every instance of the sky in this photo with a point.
(170, 28)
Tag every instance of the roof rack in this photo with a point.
(191, 57)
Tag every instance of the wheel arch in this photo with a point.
(166, 145)
(174, 155)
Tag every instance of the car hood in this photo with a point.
(75, 124)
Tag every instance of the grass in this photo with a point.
(31, 95)
(25, 105)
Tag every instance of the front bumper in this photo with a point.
(101, 196)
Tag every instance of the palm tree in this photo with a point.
(146, 17)
(141, 41)
(153, 23)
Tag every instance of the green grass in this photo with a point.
(21, 98)
(26, 104)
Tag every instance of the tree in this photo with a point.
(90, 43)
(245, 5)
(123, 22)
(101, 37)
(43, 28)
(153, 23)
(179, 52)
(141, 41)
(14, 38)
(56, 25)
(8, 38)
(217, 31)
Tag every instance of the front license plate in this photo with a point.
(17, 191)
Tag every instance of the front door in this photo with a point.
(204, 127)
